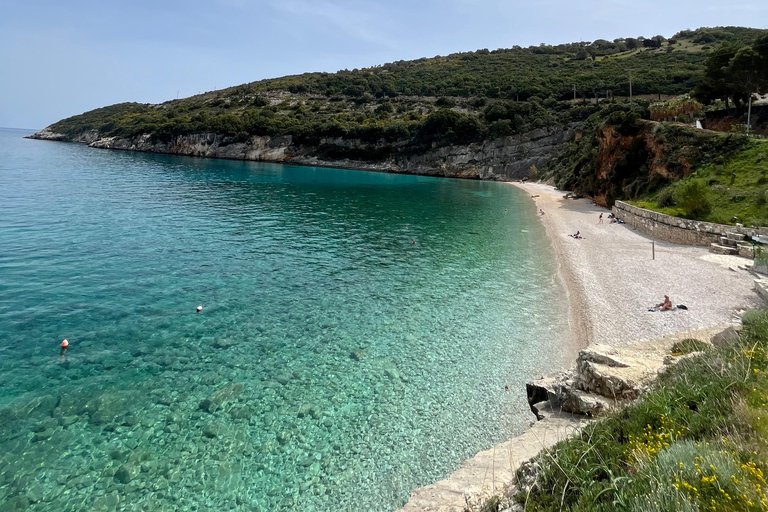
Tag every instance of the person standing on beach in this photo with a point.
(600, 221)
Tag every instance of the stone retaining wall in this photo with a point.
(675, 229)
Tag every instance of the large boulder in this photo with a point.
(725, 337)
(560, 392)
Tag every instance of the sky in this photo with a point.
(62, 58)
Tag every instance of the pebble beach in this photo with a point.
(612, 275)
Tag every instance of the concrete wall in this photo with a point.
(675, 229)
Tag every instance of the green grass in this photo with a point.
(698, 440)
(688, 345)
(737, 188)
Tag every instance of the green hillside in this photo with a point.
(412, 105)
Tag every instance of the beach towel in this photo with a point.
(674, 308)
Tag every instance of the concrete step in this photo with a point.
(746, 250)
(727, 242)
(722, 249)
(738, 237)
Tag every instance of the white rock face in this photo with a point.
(504, 159)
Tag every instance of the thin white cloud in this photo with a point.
(365, 22)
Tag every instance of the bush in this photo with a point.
(688, 345)
(665, 198)
(692, 197)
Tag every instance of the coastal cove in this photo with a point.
(610, 278)
(357, 329)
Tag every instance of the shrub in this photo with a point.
(693, 199)
(665, 198)
(687, 346)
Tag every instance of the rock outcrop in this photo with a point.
(503, 159)
(605, 377)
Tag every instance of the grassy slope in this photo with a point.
(737, 188)
(697, 441)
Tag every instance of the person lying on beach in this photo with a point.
(577, 236)
(541, 212)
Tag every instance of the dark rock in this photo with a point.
(66, 421)
(126, 473)
(283, 437)
(42, 436)
(211, 430)
(357, 354)
(17, 504)
(310, 410)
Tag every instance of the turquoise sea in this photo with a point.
(357, 333)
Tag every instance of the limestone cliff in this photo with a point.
(503, 159)
(623, 157)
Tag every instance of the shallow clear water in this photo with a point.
(357, 332)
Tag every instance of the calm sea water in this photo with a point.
(357, 332)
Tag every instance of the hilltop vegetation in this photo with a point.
(411, 105)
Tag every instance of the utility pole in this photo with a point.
(574, 93)
(749, 114)
(630, 87)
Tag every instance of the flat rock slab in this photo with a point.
(493, 470)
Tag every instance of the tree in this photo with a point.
(735, 70)
(747, 71)
(716, 83)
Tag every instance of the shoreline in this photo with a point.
(610, 279)
(578, 321)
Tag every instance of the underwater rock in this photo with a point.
(42, 436)
(66, 421)
(283, 437)
(162, 397)
(37, 407)
(310, 410)
(357, 354)
(211, 430)
(220, 396)
(18, 503)
(126, 473)
(284, 378)
(107, 407)
(391, 371)
(224, 343)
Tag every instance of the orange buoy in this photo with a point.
(64, 344)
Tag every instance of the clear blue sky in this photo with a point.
(60, 58)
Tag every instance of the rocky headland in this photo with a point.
(502, 159)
